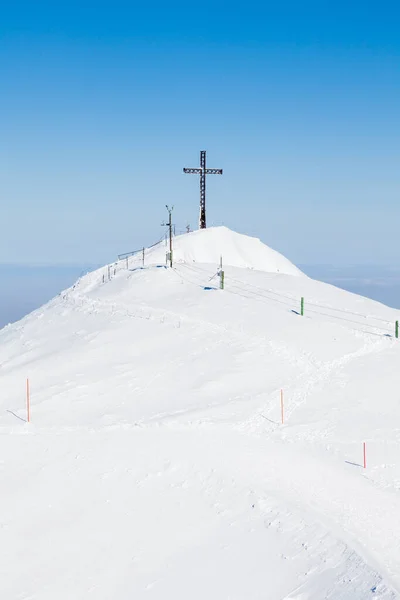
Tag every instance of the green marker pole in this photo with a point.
(222, 280)
(302, 307)
(397, 329)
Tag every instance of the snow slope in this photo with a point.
(155, 464)
(237, 250)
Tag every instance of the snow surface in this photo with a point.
(155, 464)
(237, 250)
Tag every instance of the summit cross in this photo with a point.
(203, 171)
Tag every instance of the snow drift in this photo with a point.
(237, 250)
(156, 464)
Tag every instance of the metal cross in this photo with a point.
(202, 171)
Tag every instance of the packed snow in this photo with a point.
(156, 465)
(207, 246)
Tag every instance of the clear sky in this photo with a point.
(103, 103)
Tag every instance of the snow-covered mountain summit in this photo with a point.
(156, 464)
(237, 250)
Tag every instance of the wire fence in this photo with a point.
(133, 252)
(254, 292)
(263, 294)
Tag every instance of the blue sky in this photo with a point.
(102, 104)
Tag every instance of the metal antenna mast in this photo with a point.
(169, 225)
(203, 171)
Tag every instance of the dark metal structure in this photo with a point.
(169, 225)
(203, 171)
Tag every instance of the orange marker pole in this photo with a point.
(282, 406)
(28, 402)
(365, 455)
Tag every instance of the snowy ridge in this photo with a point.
(156, 465)
(208, 245)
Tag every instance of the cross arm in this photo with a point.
(207, 171)
(192, 170)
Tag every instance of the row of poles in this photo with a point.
(112, 269)
(220, 272)
(28, 409)
(396, 324)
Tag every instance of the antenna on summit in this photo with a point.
(169, 225)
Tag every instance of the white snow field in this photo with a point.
(155, 465)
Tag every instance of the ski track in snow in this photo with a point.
(209, 498)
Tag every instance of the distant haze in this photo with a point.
(381, 283)
(25, 288)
